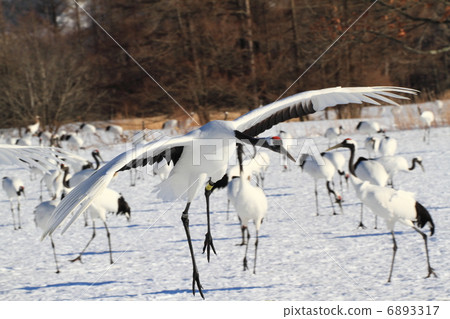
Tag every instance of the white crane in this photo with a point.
(395, 164)
(318, 171)
(194, 166)
(250, 204)
(338, 161)
(25, 140)
(332, 134)
(74, 141)
(116, 131)
(14, 189)
(372, 146)
(391, 205)
(80, 176)
(109, 201)
(88, 128)
(42, 214)
(33, 128)
(427, 118)
(170, 126)
(286, 136)
(369, 127)
(388, 146)
(373, 172)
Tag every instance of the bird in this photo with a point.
(33, 128)
(116, 130)
(109, 201)
(25, 140)
(427, 118)
(87, 171)
(320, 168)
(88, 128)
(14, 189)
(195, 166)
(42, 213)
(395, 164)
(388, 146)
(171, 126)
(285, 137)
(369, 127)
(391, 205)
(74, 141)
(250, 203)
(332, 134)
(372, 145)
(373, 172)
(338, 161)
(45, 137)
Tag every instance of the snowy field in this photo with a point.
(300, 256)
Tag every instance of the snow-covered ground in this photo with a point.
(300, 256)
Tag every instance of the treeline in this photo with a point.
(58, 63)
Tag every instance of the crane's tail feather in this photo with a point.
(424, 217)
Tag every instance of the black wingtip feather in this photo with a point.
(424, 217)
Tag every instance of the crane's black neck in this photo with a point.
(240, 151)
(66, 183)
(351, 164)
(97, 161)
(413, 163)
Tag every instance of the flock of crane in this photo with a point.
(185, 174)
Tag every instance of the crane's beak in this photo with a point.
(334, 147)
(421, 165)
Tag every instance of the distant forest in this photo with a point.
(57, 63)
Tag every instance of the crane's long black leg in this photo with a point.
(85, 219)
(243, 228)
(425, 238)
(394, 249)
(108, 234)
(228, 208)
(18, 214)
(376, 222)
(208, 245)
(82, 252)
(54, 254)
(256, 249)
(195, 275)
(246, 249)
(336, 198)
(12, 214)
(317, 199)
(361, 225)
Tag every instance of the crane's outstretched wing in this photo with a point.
(263, 118)
(44, 158)
(79, 199)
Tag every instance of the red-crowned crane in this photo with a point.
(109, 201)
(427, 118)
(321, 170)
(42, 214)
(201, 156)
(250, 203)
(395, 164)
(332, 134)
(369, 127)
(391, 205)
(14, 189)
